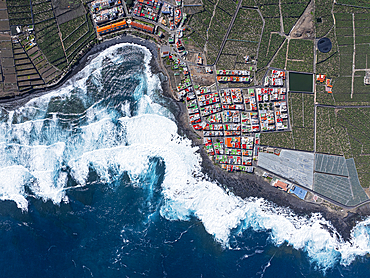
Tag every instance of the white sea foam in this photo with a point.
(112, 149)
(12, 182)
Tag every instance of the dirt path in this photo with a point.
(209, 26)
(287, 52)
(354, 54)
(281, 19)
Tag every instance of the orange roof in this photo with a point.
(281, 185)
(142, 26)
(320, 77)
(328, 83)
(111, 26)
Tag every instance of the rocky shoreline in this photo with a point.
(241, 184)
(247, 185)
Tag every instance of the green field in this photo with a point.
(301, 55)
(353, 120)
(302, 120)
(323, 17)
(279, 60)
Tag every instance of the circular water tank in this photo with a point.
(324, 45)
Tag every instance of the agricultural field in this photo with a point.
(361, 91)
(291, 12)
(42, 11)
(277, 139)
(236, 51)
(330, 137)
(247, 26)
(324, 19)
(226, 61)
(360, 3)
(329, 66)
(279, 60)
(300, 55)
(269, 8)
(19, 12)
(208, 34)
(48, 40)
(270, 42)
(352, 121)
(218, 27)
(302, 120)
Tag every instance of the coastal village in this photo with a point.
(231, 112)
(229, 120)
(226, 107)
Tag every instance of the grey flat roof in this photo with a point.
(331, 164)
(293, 165)
(345, 190)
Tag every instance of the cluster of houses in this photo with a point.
(327, 81)
(272, 102)
(171, 16)
(104, 11)
(276, 78)
(108, 13)
(231, 120)
(148, 9)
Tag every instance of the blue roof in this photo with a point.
(299, 192)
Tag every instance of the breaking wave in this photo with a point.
(104, 119)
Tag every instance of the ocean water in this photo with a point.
(95, 181)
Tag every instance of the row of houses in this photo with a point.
(233, 72)
(103, 30)
(112, 27)
(235, 79)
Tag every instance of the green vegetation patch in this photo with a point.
(330, 136)
(48, 40)
(342, 89)
(277, 139)
(301, 53)
(69, 27)
(291, 11)
(346, 61)
(279, 60)
(270, 42)
(270, 10)
(353, 119)
(302, 120)
(361, 3)
(362, 58)
(323, 17)
(247, 26)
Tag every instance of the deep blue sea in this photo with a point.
(95, 181)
